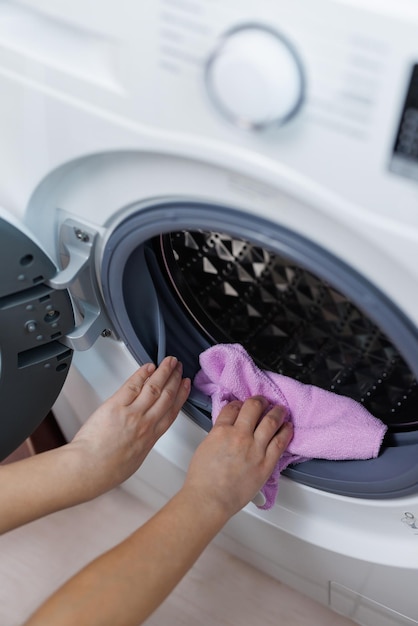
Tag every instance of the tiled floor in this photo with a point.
(219, 589)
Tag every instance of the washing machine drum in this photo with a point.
(179, 277)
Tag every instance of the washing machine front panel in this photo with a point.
(34, 319)
(148, 74)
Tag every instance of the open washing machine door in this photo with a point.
(34, 318)
(38, 328)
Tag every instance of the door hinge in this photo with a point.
(77, 244)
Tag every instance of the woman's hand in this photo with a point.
(109, 448)
(116, 438)
(238, 455)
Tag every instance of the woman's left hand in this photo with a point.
(117, 437)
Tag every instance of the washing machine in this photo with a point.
(182, 173)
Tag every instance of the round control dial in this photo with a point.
(255, 78)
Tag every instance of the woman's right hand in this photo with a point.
(238, 455)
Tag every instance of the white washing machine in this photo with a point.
(190, 172)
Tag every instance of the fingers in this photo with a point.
(247, 417)
(251, 412)
(159, 388)
(133, 386)
(270, 424)
(244, 414)
(229, 413)
(279, 443)
(162, 388)
(172, 398)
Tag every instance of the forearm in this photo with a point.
(126, 584)
(40, 485)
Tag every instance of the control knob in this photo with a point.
(255, 78)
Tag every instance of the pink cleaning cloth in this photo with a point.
(326, 425)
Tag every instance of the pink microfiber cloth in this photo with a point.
(326, 425)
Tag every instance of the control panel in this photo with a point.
(405, 152)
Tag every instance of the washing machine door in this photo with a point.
(34, 318)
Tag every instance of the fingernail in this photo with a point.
(173, 361)
(150, 367)
(279, 412)
(288, 426)
(237, 404)
(187, 384)
(262, 400)
(282, 411)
